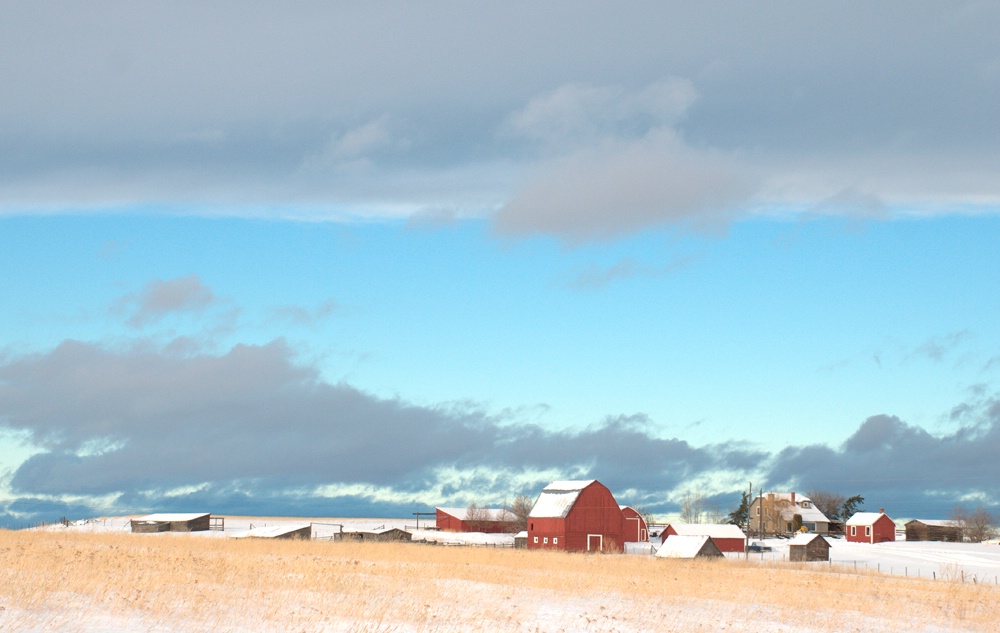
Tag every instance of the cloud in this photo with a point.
(902, 467)
(160, 298)
(297, 315)
(621, 187)
(627, 268)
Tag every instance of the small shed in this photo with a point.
(171, 522)
(870, 527)
(636, 530)
(933, 530)
(689, 547)
(808, 548)
(286, 531)
(577, 516)
(521, 540)
(727, 537)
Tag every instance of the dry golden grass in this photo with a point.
(171, 582)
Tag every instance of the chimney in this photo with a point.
(793, 497)
(881, 510)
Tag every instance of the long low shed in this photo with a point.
(727, 537)
(171, 522)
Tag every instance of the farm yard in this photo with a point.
(95, 575)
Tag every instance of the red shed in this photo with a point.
(727, 537)
(870, 527)
(636, 530)
(576, 516)
(482, 520)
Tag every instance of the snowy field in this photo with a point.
(434, 589)
(972, 562)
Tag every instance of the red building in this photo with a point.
(727, 537)
(870, 527)
(577, 516)
(481, 520)
(636, 530)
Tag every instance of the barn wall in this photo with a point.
(595, 512)
(635, 526)
(547, 528)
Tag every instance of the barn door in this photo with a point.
(595, 542)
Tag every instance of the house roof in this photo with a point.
(865, 518)
(715, 530)
(812, 514)
(483, 514)
(557, 498)
(677, 546)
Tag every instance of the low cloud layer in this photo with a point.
(253, 430)
(590, 124)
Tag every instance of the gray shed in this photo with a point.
(167, 522)
(807, 548)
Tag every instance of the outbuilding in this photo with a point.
(280, 531)
(381, 535)
(636, 530)
(171, 522)
(475, 520)
(728, 537)
(689, 546)
(807, 548)
(933, 530)
(577, 516)
(870, 527)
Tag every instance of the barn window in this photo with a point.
(532, 526)
(555, 540)
(545, 541)
(536, 539)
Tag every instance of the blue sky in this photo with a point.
(369, 259)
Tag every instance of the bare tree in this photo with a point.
(693, 507)
(476, 518)
(520, 508)
(829, 503)
(977, 525)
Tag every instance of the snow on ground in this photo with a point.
(979, 562)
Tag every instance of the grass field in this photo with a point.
(170, 582)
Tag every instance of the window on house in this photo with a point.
(758, 511)
(805, 504)
(868, 530)
(854, 531)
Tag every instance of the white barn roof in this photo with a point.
(482, 514)
(715, 530)
(805, 539)
(557, 498)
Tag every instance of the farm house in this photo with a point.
(870, 527)
(807, 548)
(476, 520)
(728, 538)
(689, 546)
(576, 516)
(636, 530)
(167, 522)
(930, 530)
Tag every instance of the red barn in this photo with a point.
(870, 527)
(577, 516)
(482, 520)
(727, 537)
(636, 530)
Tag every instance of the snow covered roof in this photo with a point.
(482, 514)
(686, 546)
(865, 518)
(805, 539)
(936, 522)
(715, 530)
(557, 498)
(166, 516)
(803, 506)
